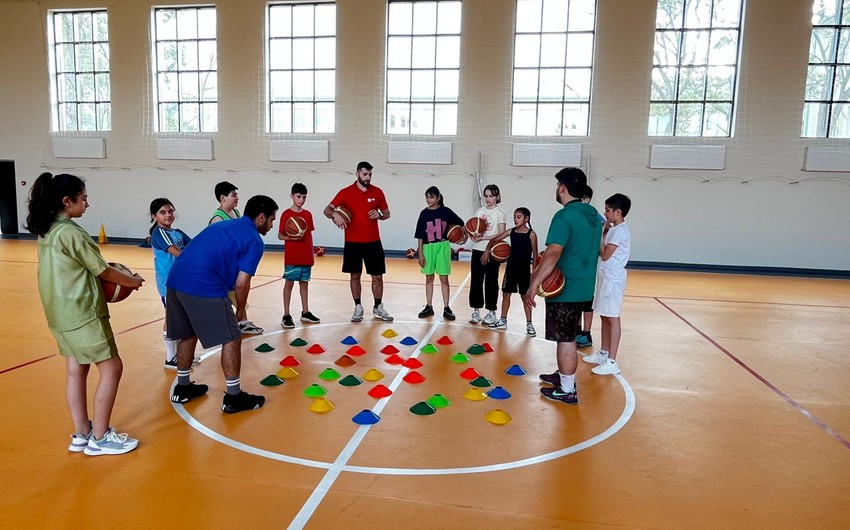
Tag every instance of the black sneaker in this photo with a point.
(184, 393)
(286, 322)
(557, 394)
(447, 313)
(172, 364)
(234, 403)
(309, 317)
(553, 379)
(427, 312)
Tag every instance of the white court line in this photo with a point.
(341, 461)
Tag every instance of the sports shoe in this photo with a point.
(381, 314)
(583, 339)
(553, 379)
(234, 403)
(249, 328)
(529, 330)
(502, 323)
(358, 313)
(557, 394)
(610, 367)
(172, 363)
(426, 312)
(448, 314)
(475, 318)
(286, 322)
(112, 443)
(307, 316)
(595, 358)
(489, 318)
(79, 441)
(184, 393)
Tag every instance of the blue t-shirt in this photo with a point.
(209, 266)
(161, 239)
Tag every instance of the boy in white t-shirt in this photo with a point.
(611, 282)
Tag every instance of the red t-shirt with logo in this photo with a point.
(361, 229)
(298, 252)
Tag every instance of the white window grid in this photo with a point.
(826, 111)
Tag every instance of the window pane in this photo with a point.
(190, 117)
(577, 84)
(209, 86)
(724, 48)
(841, 88)
(189, 86)
(167, 87)
(422, 85)
(206, 24)
(718, 119)
(84, 30)
(424, 52)
(553, 49)
(445, 119)
(582, 15)
(325, 85)
(575, 120)
(660, 119)
(692, 84)
(65, 58)
(280, 54)
(85, 58)
(67, 87)
(663, 84)
(325, 117)
(527, 51)
(689, 119)
(424, 18)
(825, 12)
(400, 18)
(822, 47)
(446, 85)
(523, 119)
(549, 119)
(209, 117)
(87, 117)
(166, 56)
(398, 52)
(302, 118)
(448, 18)
(528, 14)
(398, 85)
(207, 55)
(726, 13)
(326, 53)
(840, 121)
(552, 84)
(104, 117)
(666, 51)
(555, 15)
(302, 54)
(166, 24)
(819, 82)
(187, 28)
(169, 117)
(85, 87)
(280, 21)
(697, 13)
(101, 57)
(68, 115)
(101, 83)
(695, 47)
(302, 85)
(325, 20)
(281, 120)
(422, 118)
(843, 55)
(398, 118)
(580, 49)
(281, 86)
(448, 52)
(63, 27)
(669, 15)
(720, 83)
(302, 26)
(525, 85)
(187, 55)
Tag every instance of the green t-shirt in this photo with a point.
(576, 227)
(69, 263)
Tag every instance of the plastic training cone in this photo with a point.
(287, 372)
(272, 380)
(264, 348)
(389, 333)
(498, 393)
(316, 349)
(393, 359)
(101, 238)
(408, 341)
(412, 363)
(355, 350)
(380, 391)
(429, 348)
(474, 394)
(423, 409)
(344, 361)
(487, 347)
(289, 361)
(414, 378)
(349, 340)
(498, 417)
(445, 340)
(476, 349)
(515, 370)
(373, 374)
(470, 373)
(321, 405)
(459, 358)
(298, 342)
(481, 382)
(329, 374)
(315, 391)
(389, 349)
(439, 401)
(350, 380)
(366, 417)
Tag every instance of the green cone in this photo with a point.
(298, 342)
(264, 348)
(272, 380)
(350, 380)
(329, 374)
(423, 409)
(481, 382)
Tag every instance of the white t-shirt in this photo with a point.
(495, 217)
(615, 267)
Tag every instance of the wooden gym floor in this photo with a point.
(732, 411)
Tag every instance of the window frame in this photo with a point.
(841, 37)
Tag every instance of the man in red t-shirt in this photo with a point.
(367, 205)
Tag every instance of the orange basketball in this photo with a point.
(295, 227)
(112, 291)
(501, 251)
(552, 285)
(344, 212)
(411, 253)
(476, 226)
(319, 251)
(455, 234)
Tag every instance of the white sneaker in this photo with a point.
(609, 367)
(529, 330)
(489, 318)
(595, 358)
(358, 313)
(475, 318)
(112, 443)
(249, 328)
(79, 441)
(381, 314)
(502, 323)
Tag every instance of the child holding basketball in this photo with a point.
(611, 282)
(69, 271)
(435, 251)
(298, 257)
(167, 244)
(518, 266)
(484, 284)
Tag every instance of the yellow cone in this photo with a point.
(287, 372)
(321, 405)
(389, 333)
(102, 237)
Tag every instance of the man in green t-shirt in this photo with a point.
(572, 245)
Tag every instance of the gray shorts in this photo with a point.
(210, 319)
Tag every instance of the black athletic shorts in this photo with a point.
(354, 255)
(562, 320)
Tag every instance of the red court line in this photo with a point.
(27, 363)
(683, 299)
(811, 417)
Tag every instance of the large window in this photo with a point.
(826, 113)
(553, 66)
(423, 67)
(79, 70)
(301, 59)
(695, 67)
(185, 69)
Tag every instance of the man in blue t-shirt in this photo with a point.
(197, 305)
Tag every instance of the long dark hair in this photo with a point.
(527, 213)
(46, 197)
(434, 191)
(156, 204)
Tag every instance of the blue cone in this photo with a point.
(409, 341)
(349, 340)
(366, 417)
(515, 370)
(499, 393)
